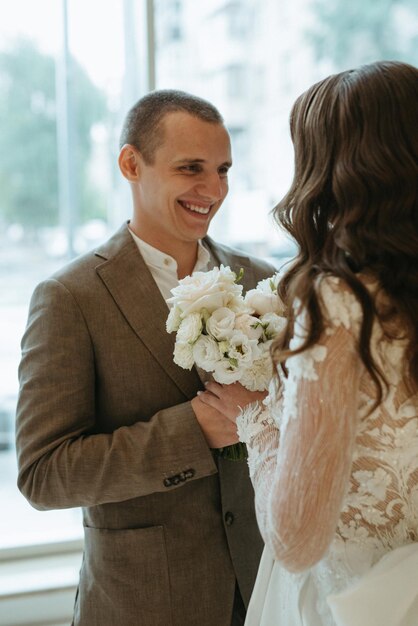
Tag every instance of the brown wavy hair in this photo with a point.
(353, 203)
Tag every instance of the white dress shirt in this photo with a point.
(164, 268)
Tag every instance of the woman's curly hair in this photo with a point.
(353, 204)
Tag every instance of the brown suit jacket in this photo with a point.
(104, 422)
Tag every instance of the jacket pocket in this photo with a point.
(124, 578)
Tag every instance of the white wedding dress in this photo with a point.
(337, 497)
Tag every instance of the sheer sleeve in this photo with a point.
(301, 483)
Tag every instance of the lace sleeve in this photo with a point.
(300, 485)
(257, 426)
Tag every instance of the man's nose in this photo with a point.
(212, 186)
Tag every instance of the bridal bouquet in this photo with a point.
(224, 332)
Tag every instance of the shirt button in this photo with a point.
(229, 518)
(166, 261)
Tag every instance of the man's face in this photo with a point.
(180, 192)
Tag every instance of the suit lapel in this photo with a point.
(133, 288)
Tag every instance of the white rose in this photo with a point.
(273, 324)
(263, 302)
(249, 325)
(206, 353)
(264, 299)
(225, 373)
(173, 320)
(221, 323)
(207, 290)
(269, 284)
(190, 328)
(183, 355)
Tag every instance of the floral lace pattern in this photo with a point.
(341, 489)
(256, 425)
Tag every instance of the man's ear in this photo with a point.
(129, 162)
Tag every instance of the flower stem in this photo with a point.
(236, 452)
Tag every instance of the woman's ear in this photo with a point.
(128, 160)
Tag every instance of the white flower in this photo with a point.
(258, 376)
(249, 325)
(183, 355)
(221, 323)
(225, 373)
(273, 324)
(264, 299)
(235, 344)
(269, 284)
(190, 328)
(173, 320)
(206, 353)
(237, 354)
(207, 290)
(241, 350)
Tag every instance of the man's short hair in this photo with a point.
(143, 127)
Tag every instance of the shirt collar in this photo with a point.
(155, 258)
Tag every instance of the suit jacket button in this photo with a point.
(229, 518)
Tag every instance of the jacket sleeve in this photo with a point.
(62, 461)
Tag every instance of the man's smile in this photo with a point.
(195, 208)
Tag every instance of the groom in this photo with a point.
(106, 421)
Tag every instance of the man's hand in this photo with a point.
(218, 430)
(229, 399)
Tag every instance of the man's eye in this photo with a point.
(190, 168)
(223, 171)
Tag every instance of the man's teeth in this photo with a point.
(197, 209)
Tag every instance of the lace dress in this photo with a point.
(336, 487)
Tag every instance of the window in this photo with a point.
(252, 59)
(171, 22)
(238, 15)
(235, 81)
(60, 113)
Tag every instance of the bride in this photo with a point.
(333, 450)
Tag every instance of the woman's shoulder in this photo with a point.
(338, 301)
